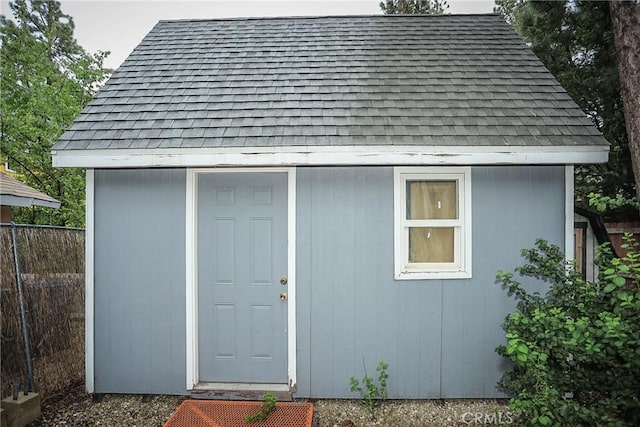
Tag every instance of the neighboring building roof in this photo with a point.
(16, 193)
(312, 86)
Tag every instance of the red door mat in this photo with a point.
(216, 413)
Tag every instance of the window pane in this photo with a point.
(432, 200)
(431, 244)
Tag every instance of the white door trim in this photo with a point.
(191, 253)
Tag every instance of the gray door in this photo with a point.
(242, 257)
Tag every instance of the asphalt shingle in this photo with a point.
(376, 80)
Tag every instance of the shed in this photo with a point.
(16, 193)
(273, 204)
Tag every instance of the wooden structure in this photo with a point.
(277, 204)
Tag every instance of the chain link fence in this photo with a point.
(52, 272)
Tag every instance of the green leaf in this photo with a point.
(544, 420)
(619, 281)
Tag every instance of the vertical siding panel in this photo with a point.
(496, 203)
(516, 211)
(512, 206)
(333, 283)
(140, 288)
(320, 288)
(410, 345)
(346, 310)
(376, 297)
(358, 312)
(453, 343)
(362, 316)
(429, 332)
(303, 279)
(113, 310)
(321, 300)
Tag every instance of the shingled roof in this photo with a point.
(312, 84)
(16, 193)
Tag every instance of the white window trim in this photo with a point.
(401, 230)
(7, 168)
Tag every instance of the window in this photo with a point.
(7, 168)
(432, 223)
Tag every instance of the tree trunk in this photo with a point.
(625, 17)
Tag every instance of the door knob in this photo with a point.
(284, 296)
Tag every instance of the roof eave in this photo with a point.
(21, 201)
(331, 155)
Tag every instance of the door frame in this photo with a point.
(191, 263)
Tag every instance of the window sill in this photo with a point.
(432, 275)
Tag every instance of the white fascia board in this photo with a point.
(331, 155)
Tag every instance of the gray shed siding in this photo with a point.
(140, 281)
(438, 336)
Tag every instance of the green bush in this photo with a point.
(575, 351)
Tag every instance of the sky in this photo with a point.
(118, 26)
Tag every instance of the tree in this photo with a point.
(625, 17)
(47, 78)
(574, 39)
(413, 7)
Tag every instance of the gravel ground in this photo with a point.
(412, 413)
(76, 408)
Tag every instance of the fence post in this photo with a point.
(23, 311)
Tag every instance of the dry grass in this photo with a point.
(52, 265)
